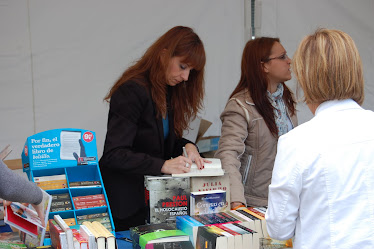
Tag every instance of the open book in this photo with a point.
(25, 219)
(210, 169)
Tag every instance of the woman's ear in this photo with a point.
(265, 67)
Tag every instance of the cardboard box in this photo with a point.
(206, 144)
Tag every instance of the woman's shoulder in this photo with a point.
(242, 97)
(131, 87)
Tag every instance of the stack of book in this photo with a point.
(255, 216)
(222, 222)
(51, 182)
(103, 238)
(145, 235)
(89, 201)
(11, 240)
(103, 218)
(61, 202)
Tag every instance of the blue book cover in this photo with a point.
(208, 202)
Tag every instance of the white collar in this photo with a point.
(336, 105)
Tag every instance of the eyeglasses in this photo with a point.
(283, 57)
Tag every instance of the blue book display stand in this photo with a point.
(71, 152)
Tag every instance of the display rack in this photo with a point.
(71, 152)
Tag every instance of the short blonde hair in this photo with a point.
(328, 66)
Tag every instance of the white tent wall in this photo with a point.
(58, 59)
(291, 20)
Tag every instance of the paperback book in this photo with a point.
(210, 169)
(155, 233)
(207, 202)
(207, 183)
(166, 197)
(26, 219)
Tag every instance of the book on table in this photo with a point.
(207, 202)
(66, 229)
(210, 169)
(205, 183)
(166, 198)
(155, 233)
(104, 239)
(88, 235)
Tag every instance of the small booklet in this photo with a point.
(26, 219)
(210, 169)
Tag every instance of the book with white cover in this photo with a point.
(26, 219)
(210, 169)
(66, 229)
(89, 236)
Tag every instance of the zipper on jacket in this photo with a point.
(246, 171)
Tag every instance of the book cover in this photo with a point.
(166, 198)
(11, 240)
(12, 245)
(210, 169)
(207, 202)
(205, 183)
(188, 225)
(154, 233)
(27, 220)
(207, 238)
(171, 245)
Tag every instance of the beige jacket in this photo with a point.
(247, 150)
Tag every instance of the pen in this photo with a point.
(185, 155)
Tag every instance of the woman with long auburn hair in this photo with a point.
(260, 109)
(150, 106)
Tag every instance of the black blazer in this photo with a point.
(134, 147)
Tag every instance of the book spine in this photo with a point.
(92, 216)
(84, 183)
(89, 198)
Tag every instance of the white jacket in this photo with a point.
(322, 188)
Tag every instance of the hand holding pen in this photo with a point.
(190, 151)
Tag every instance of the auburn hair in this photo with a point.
(186, 97)
(253, 79)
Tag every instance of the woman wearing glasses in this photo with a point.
(259, 110)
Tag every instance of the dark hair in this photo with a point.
(254, 79)
(186, 97)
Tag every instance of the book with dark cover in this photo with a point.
(171, 245)
(153, 233)
(166, 198)
(208, 238)
(207, 202)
